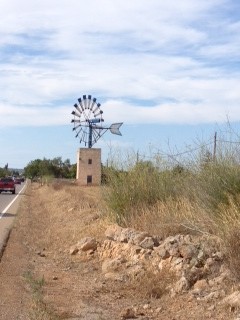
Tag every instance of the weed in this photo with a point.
(39, 310)
(36, 285)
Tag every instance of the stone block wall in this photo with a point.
(89, 166)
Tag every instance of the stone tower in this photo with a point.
(89, 166)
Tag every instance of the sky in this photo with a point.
(169, 70)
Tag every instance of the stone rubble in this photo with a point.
(199, 267)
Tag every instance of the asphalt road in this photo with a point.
(8, 208)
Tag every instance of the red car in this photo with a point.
(7, 184)
(17, 180)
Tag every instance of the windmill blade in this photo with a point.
(97, 107)
(93, 103)
(114, 128)
(76, 114)
(77, 107)
(85, 101)
(98, 114)
(81, 104)
(89, 101)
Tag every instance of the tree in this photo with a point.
(32, 170)
(47, 167)
(4, 172)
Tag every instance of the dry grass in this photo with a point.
(152, 285)
(204, 199)
(229, 232)
(70, 213)
(74, 212)
(171, 217)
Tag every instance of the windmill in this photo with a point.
(88, 121)
(88, 126)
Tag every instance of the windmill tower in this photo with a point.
(88, 125)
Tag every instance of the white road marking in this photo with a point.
(14, 199)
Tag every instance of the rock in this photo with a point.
(181, 285)
(112, 265)
(127, 235)
(233, 300)
(162, 252)
(114, 276)
(165, 264)
(177, 264)
(128, 314)
(187, 251)
(127, 254)
(113, 232)
(201, 285)
(87, 243)
(135, 271)
(138, 237)
(147, 243)
(73, 250)
(41, 254)
(214, 295)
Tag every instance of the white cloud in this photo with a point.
(34, 116)
(174, 55)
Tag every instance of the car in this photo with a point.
(7, 184)
(17, 180)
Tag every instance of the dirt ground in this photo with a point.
(40, 280)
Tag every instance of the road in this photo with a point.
(8, 209)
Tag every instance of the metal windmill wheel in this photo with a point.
(88, 121)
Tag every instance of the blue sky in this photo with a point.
(168, 69)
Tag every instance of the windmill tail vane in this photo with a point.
(88, 121)
(114, 128)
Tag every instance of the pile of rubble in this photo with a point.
(196, 262)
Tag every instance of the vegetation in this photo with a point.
(44, 169)
(55, 168)
(40, 310)
(5, 171)
(202, 197)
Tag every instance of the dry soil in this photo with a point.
(39, 279)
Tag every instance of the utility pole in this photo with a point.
(137, 157)
(215, 147)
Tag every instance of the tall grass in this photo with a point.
(208, 185)
(141, 186)
(229, 231)
(201, 198)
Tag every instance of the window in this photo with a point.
(89, 161)
(89, 179)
